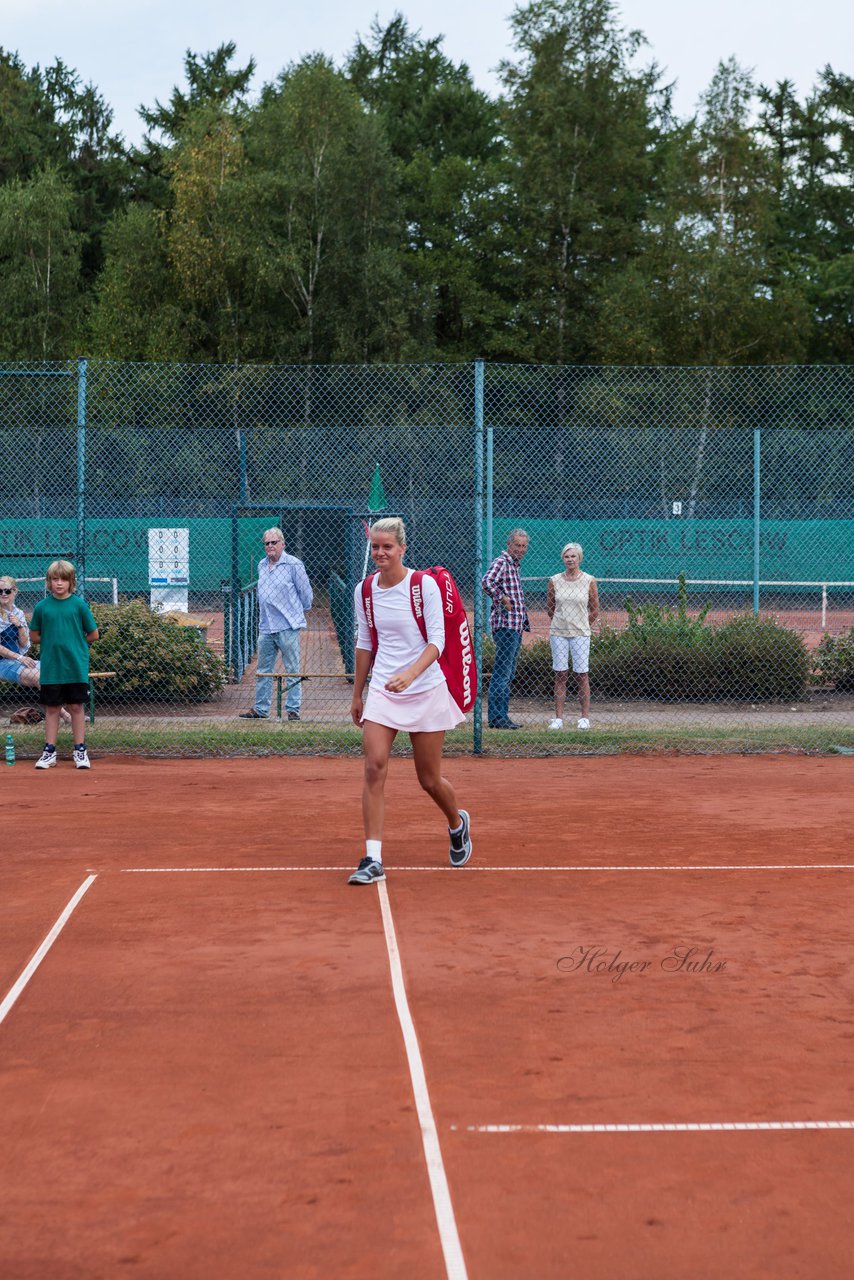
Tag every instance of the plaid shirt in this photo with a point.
(502, 578)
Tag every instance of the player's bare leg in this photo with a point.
(427, 750)
(377, 741)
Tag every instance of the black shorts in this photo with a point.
(58, 695)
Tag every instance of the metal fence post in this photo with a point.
(227, 623)
(82, 367)
(234, 656)
(489, 476)
(756, 492)
(478, 553)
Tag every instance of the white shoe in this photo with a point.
(556, 724)
(47, 760)
(81, 758)
(584, 723)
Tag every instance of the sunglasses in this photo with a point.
(272, 544)
(7, 591)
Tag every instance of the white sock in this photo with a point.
(456, 831)
(374, 850)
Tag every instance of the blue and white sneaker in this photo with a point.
(368, 871)
(47, 760)
(460, 850)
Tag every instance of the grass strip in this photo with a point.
(180, 739)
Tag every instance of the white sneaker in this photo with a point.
(47, 760)
(81, 758)
(584, 723)
(556, 724)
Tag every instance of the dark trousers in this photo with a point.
(507, 645)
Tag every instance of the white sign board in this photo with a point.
(169, 568)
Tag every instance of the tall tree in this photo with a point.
(583, 130)
(213, 85)
(207, 242)
(95, 159)
(30, 136)
(139, 312)
(39, 268)
(326, 213)
(812, 153)
(708, 288)
(50, 118)
(444, 136)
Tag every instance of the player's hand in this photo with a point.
(400, 680)
(357, 712)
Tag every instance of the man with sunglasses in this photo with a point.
(284, 595)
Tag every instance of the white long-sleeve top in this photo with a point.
(400, 640)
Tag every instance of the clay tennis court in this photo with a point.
(617, 1046)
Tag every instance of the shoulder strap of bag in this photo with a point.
(416, 600)
(368, 603)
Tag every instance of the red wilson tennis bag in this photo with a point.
(457, 660)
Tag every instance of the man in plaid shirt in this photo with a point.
(508, 619)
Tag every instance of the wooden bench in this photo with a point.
(281, 676)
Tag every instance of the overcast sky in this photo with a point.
(133, 50)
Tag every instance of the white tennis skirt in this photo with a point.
(432, 711)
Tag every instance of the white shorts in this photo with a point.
(564, 647)
(427, 712)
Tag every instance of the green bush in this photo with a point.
(153, 656)
(833, 662)
(664, 655)
(746, 659)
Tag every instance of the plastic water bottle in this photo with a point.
(10, 749)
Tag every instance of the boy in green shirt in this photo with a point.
(63, 625)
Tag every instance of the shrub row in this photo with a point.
(662, 655)
(833, 662)
(745, 659)
(666, 655)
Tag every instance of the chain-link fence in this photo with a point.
(715, 508)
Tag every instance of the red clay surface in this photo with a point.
(206, 1075)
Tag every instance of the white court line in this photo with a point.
(723, 1126)
(780, 866)
(16, 990)
(448, 1234)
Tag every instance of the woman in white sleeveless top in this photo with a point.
(572, 604)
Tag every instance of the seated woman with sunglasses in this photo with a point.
(16, 667)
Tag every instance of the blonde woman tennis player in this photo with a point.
(408, 693)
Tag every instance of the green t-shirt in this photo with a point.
(63, 626)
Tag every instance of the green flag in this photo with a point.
(376, 501)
